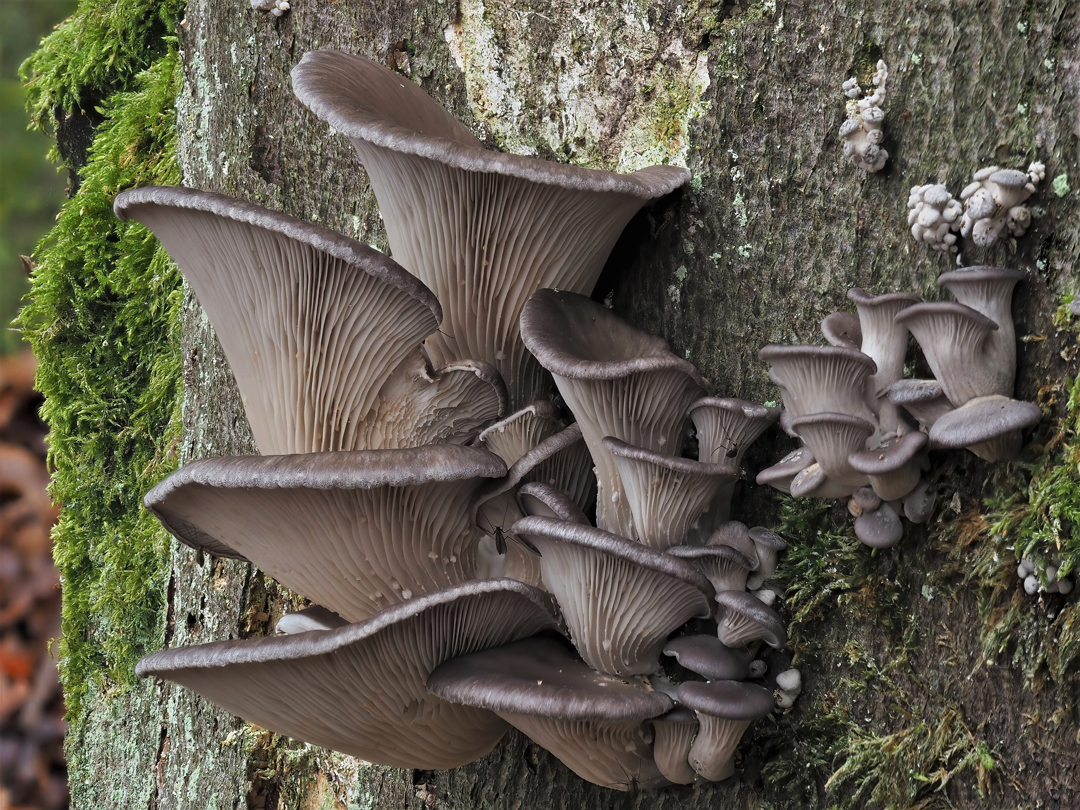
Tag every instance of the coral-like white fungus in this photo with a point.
(862, 132)
(933, 214)
(994, 202)
(275, 7)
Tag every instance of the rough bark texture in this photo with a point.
(775, 227)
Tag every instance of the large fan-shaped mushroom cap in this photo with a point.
(361, 689)
(483, 229)
(618, 381)
(355, 532)
(312, 323)
(620, 599)
(592, 722)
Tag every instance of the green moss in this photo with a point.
(103, 321)
(1033, 513)
(96, 53)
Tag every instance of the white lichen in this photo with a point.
(933, 214)
(275, 7)
(993, 202)
(862, 132)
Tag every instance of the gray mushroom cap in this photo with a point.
(821, 379)
(813, 482)
(881, 528)
(666, 494)
(743, 618)
(955, 339)
(547, 501)
(725, 709)
(833, 438)
(780, 474)
(454, 210)
(989, 291)
(842, 329)
(593, 723)
(726, 568)
(1009, 178)
(988, 426)
(673, 735)
(353, 531)
(925, 400)
(620, 599)
(708, 657)
(350, 689)
(726, 427)
(893, 466)
(769, 545)
(617, 380)
(313, 323)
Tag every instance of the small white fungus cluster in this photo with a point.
(862, 132)
(788, 687)
(993, 202)
(1028, 571)
(933, 215)
(275, 7)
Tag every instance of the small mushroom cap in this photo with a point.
(542, 677)
(790, 680)
(744, 618)
(349, 689)
(983, 419)
(779, 475)
(708, 657)
(1009, 178)
(833, 438)
(767, 539)
(842, 329)
(517, 434)
(591, 722)
(890, 455)
(726, 568)
(734, 533)
(814, 483)
(730, 700)
(547, 501)
(310, 618)
(879, 529)
(726, 427)
(919, 503)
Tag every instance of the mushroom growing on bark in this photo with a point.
(483, 229)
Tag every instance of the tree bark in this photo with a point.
(774, 229)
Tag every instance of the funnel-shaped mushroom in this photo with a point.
(820, 379)
(743, 618)
(666, 494)
(780, 475)
(726, 568)
(842, 329)
(769, 545)
(620, 599)
(989, 290)
(673, 734)
(955, 340)
(312, 323)
(355, 532)
(726, 427)
(483, 229)
(883, 340)
(521, 431)
(593, 723)
(832, 438)
(617, 380)
(725, 710)
(361, 689)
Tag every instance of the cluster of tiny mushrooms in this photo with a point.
(419, 485)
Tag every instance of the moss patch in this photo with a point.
(103, 320)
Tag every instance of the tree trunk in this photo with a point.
(775, 227)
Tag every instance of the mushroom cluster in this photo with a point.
(866, 430)
(861, 131)
(1032, 575)
(988, 206)
(430, 528)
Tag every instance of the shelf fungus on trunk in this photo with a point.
(483, 229)
(362, 689)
